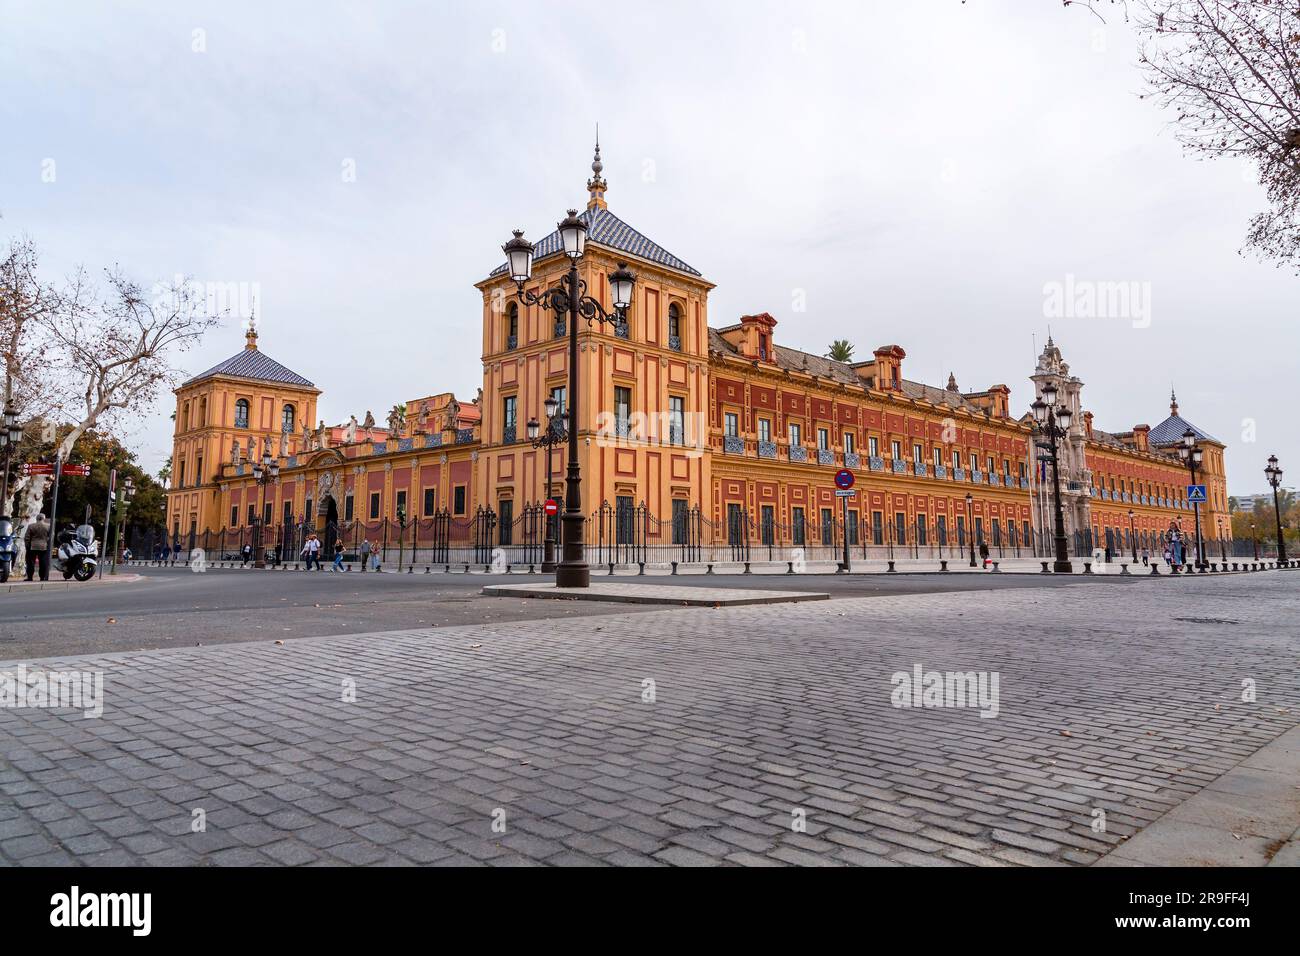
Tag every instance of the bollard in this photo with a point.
(1201, 569)
(467, 569)
(1154, 568)
(1087, 567)
(943, 565)
(1123, 569)
(487, 569)
(530, 569)
(674, 567)
(1234, 565)
(640, 568)
(746, 571)
(891, 567)
(508, 569)
(611, 569)
(789, 567)
(995, 568)
(710, 568)
(1214, 567)
(1045, 571)
(410, 569)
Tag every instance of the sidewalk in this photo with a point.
(58, 584)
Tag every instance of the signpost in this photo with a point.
(552, 507)
(108, 518)
(1196, 494)
(844, 491)
(37, 468)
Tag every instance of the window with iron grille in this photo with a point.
(768, 525)
(922, 532)
(234, 515)
(458, 500)
(241, 413)
(828, 527)
(506, 524)
(676, 420)
(900, 528)
(374, 506)
(622, 409)
(852, 529)
(348, 508)
(877, 528)
(797, 532)
(681, 513)
(941, 529)
(735, 525)
(430, 501)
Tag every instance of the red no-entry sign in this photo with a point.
(552, 507)
(844, 479)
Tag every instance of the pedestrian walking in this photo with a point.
(36, 539)
(374, 556)
(365, 553)
(984, 554)
(245, 554)
(1146, 557)
(311, 551)
(338, 557)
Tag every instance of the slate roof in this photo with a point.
(255, 365)
(606, 229)
(842, 372)
(1170, 431)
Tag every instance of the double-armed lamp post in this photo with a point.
(1053, 422)
(569, 299)
(123, 502)
(10, 435)
(1274, 475)
(1193, 455)
(555, 435)
(264, 472)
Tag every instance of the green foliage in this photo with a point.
(103, 453)
(840, 351)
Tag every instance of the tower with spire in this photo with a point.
(596, 185)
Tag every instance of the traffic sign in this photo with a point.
(82, 470)
(844, 479)
(845, 493)
(37, 468)
(1196, 494)
(552, 507)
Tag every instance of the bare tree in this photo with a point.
(1230, 70)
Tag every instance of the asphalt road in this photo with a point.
(174, 607)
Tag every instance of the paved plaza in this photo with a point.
(692, 736)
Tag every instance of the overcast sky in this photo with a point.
(915, 173)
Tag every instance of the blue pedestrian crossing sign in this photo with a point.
(1196, 494)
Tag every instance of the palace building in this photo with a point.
(711, 435)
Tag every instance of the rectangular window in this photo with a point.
(307, 512)
(956, 459)
(922, 532)
(625, 516)
(266, 513)
(348, 509)
(979, 530)
(401, 504)
(961, 531)
(989, 462)
(765, 429)
(1026, 530)
(896, 449)
(918, 453)
(252, 515)
(828, 527)
(938, 457)
(974, 462)
(797, 534)
(458, 500)
(561, 395)
(877, 528)
(735, 525)
(681, 515)
(900, 528)
(509, 404)
(853, 528)
(430, 502)
(731, 424)
(796, 434)
(849, 443)
(941, 529)
(823, 439)
(873, 447)
(996, 527)
(505, 521)
(676, 420)
(234, 515)
(374, 506)
(287, 512)
(768, 525)
(622, 409)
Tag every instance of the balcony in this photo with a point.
(852, 460)
(676, 435)
(825, 456)
(433, 441)
(512, 342)
(940, 471)
(675, 343)
(1024, 483)
(767, 449)
(977, 477)
(900, 466)
(464, 436)
(622, 330)
(798, 453)
(733, 444)
(622, 428)
(876, 463)
(959, 474)
(560, 329)
(508, 435)
(921, 469)
(995, 479)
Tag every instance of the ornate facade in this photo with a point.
(676, 416)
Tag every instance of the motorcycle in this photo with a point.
(8, 549)
(77, 556)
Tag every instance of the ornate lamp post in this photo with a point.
(10, 435)
(1132, 536)
(264, 472)
(568, 299)
(1053, 423)
(1254, 537)
(555, 435)
(1193, 454)
(123, 502)
(970, 527)
(1274, 475)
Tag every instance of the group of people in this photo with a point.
(311, 554)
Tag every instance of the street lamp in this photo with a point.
(1132, 536)
(567, 299)
(1193, 454)
(10, 435)
(264, 472)
(123, 502)
(1053, 422)
(1274, 475)
(1254, 537)
(555, 435)
(970, 527)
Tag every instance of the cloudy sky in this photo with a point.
(913, 173)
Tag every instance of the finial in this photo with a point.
(250, 332)
(596, 185)
(952, 382)
(1173, 401)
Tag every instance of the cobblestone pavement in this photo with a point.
(1111, 698)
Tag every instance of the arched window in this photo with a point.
(512, 325)
(286, 418)
(241, 413)
(674, 327)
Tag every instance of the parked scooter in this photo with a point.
(8, 547)
(77, 554)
